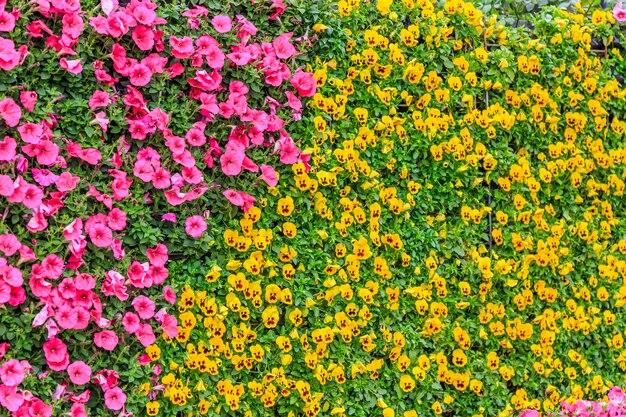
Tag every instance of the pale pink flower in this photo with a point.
(619, 13)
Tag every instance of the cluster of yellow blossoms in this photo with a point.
(457, 244)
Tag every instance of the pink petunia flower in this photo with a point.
(12, 373)
(100, 235)
(140, 75)
(131, 322)
(619, 13)
(143, 37)
(182, 47)
(79, 372)
(28, 99)
(106, 339)
(8, 148)
(114, 399)
(10, 112)
(158, 255)
(222, 23)
(268, 174)
(195, 226)
(144, 306)
(72, 66)
(99, 99)
(304, 83)
(145, 335)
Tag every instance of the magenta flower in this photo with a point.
(195, 226)
(79, 372)
(140, 75)
(28, 100)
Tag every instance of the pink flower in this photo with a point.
(9, 57)
(529, 413)
(39, 409)
(304, 83)
(114, 398)
(131, 322)
(234, 197)
(66, 182)
(78, 410)
(221, 23)
(232, 162)
(140, 75)
(106, 339)
(145, 335)
(268, 174)
(28, 100)
(169, 295)
(99, 99)
(79, 372)
(108, 6)
(144, 307)
(66, 316)
(10, 399)
(195, 226)
(182, 47)
(283, 48)
(143, 37)
(158, 255)
(239, 58)
(8, 148)
(10, 112)
(7, 21)
(170, 325)
(100, 235)
(73, 66)
(116, 219)
(619, 13)
(56, 354)
(9, 244)
(12, 373)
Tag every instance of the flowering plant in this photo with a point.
(126, 126)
